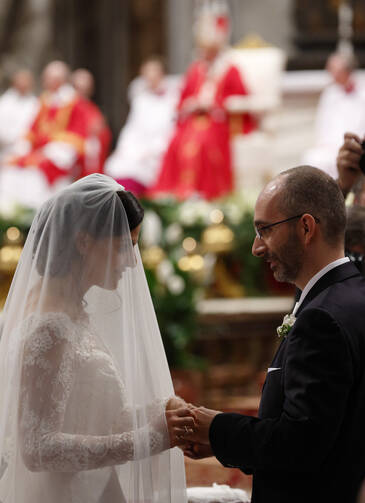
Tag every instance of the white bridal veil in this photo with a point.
(83, 373)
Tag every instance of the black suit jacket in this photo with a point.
(308, 443)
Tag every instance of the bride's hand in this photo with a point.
(180, 423)
(175, 402)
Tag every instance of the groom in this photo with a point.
(308, 443)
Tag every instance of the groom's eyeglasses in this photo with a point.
(261, 231)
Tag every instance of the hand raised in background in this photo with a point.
(348, 160)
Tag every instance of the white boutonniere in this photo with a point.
(285, 327)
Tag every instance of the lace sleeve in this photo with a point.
(154, 413)
(48, 372)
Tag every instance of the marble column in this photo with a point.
(96, 35)
(180, 17)
(25, 28)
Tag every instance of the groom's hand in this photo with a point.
(180, 423)
(197, 451)
(203, 419)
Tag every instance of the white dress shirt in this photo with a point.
(316, 277)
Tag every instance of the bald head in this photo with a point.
(83, 82)
(23, 81)
(272, 191)
(55, 75)
(340, 66)
(152, 72)
(306, 189)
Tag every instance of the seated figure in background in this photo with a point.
(99, 136)
(18, 107)
(341, 108)
(198, 160)
(48, 155)
(144, 138)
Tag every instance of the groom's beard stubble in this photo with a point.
(288, 259)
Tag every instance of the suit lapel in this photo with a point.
(335, 275)
(339, 273)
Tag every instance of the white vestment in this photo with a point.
(338, 112)
(146, 134)
(17, 112)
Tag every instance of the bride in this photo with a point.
(87, 413)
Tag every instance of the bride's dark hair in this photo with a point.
(132, 208)
(62, 232)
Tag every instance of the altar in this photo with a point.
(237, 338)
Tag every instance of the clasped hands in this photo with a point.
(188, 427)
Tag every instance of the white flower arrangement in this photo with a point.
(233, 213)
(175, 284)
(151, 232)
(286, 326)
(173, 233)
(8, 210)
(164, 270)
(193, 211)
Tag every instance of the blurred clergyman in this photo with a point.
(144, 139)
(51, 154)
(340, 109)
(198, 160)
(98, 134)
(18, 107)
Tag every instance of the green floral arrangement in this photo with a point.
(175, 305)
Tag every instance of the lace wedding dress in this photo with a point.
(83, 371)
(67, 453)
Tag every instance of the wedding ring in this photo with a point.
(186, 430)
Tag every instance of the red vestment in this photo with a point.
(77, 124)
(97, 143)
(59, 125)
(198, 159)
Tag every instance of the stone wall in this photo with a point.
(248, 16)
(25, 34)
(315, 31)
